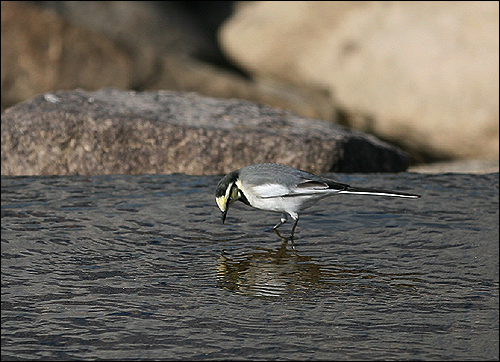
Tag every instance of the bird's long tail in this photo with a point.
(363, 191)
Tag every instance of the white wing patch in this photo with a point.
(278, 190)
(271, 190)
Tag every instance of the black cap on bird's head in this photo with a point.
(227, 192)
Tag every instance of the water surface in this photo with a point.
(141, 267)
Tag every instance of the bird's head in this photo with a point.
(227, 192)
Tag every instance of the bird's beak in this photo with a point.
(224, 213)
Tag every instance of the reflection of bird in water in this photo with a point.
(283, 189)
(272, 273)
(267, 272)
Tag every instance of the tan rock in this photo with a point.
(41, 53)
(126, 45)
(423, 75)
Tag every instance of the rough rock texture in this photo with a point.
(423, 75)
(116, 132)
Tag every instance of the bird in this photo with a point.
(283, 189)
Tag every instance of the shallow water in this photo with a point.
(138, 267)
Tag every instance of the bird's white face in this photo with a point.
(227, 192)
(231, 195)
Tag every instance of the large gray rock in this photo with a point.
(424, 75)
(116, 132)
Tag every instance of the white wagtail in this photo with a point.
(283, 189)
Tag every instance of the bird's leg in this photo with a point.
(294, 226)
(283, 220)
